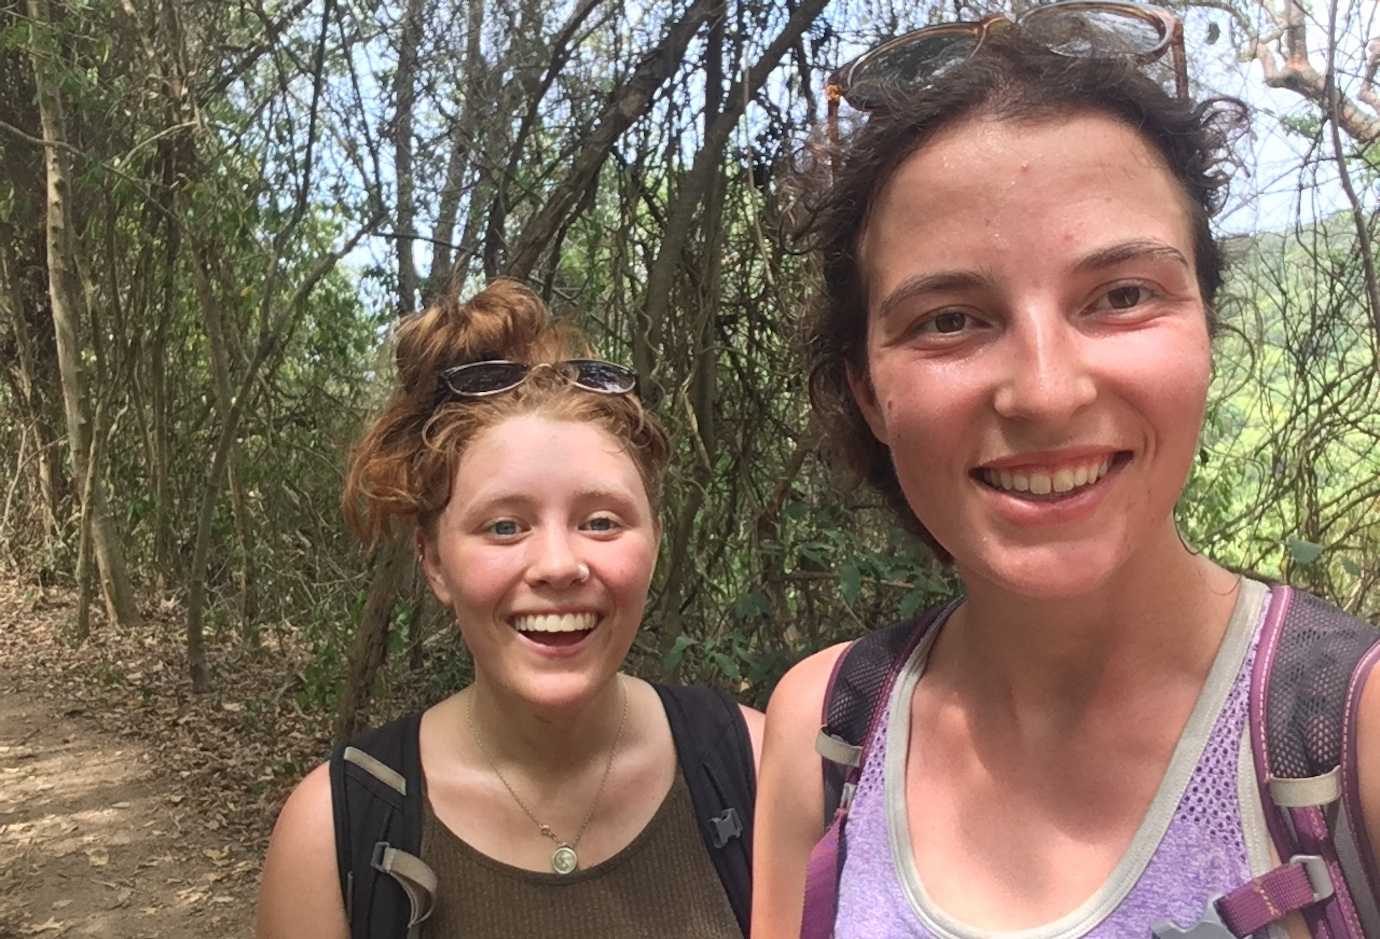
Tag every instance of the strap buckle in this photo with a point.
(1319, 877)
(725, 826)
(1210, 926)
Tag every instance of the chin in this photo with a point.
(1047, 571)
(555, 693)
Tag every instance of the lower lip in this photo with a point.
(1074, 507)
(557, 645)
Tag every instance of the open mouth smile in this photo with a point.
(1067, 480)
(555, 629)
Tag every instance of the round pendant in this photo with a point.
(564, 860)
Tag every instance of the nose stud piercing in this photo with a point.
(581, 573)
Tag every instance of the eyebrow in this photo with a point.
(498, 497)
(934, 282)
(1141, 248)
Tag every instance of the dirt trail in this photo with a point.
(94, 843)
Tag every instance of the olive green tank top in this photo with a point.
(662, 884)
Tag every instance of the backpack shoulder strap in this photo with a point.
(715, 754)
(854, 699)
(858, 686)
(1311, 666)
(376, 797)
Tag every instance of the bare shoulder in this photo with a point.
(790, 800)
(756, 724)
(799, 696)
(299, 895)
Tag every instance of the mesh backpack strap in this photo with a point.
(376, 798)
(715, 754)
(854, 699)
(861, 678)
(1311, 663)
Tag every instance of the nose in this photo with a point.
(1046, 376)
(554, 561)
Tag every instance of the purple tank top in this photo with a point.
(1197, 839)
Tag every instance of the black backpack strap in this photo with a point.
(1313, 661)
(715, 754)
(857, 687)
(376, 796)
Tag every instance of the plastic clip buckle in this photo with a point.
(1209, 927)
(727, 826)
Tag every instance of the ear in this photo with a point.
(866, 398)
(429, 557)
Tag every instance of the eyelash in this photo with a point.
(614, 524)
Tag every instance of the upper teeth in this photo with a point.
(555, 622)
(1044, 481)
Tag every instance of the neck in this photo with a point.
(1161, 616)
(549, 743)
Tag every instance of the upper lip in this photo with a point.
(1048, 458)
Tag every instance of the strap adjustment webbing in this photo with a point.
(1270, 897)
(413, 875)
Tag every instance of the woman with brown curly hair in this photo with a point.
(555, 793)
(1013, 346)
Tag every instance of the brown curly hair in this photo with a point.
(401, 469)
(837, 186)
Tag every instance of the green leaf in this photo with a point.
(1351, 567)
(727, 665)
(911, 603)
(1303, 552)
(850, 581)
(672, 659)
(751, 604)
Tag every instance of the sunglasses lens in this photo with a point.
(906, 67)
(602, 376)
(484, 378)
(1093, 32)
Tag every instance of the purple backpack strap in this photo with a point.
(854, 701)
(1310, 667)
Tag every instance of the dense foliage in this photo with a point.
(253, 192)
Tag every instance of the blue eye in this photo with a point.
(603, 523)
(503, 528)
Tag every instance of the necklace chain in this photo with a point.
(542, 827)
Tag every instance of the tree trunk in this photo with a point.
(692, 190)
(405, 93)
(66, 297)
(370, 647)
(630, 101)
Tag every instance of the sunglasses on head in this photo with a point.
(1074, 28)
(481, 379)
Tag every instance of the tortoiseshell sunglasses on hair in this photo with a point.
(1075, 28)
(495, 376)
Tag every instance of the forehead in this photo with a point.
(537, 457)
(994, 194)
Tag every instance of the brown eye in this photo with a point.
(1123, 298)
(950, 322)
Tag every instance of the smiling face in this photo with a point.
(544, 553)
(1037, 349)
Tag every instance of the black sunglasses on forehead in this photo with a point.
(495, 376)
(1075, 28)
